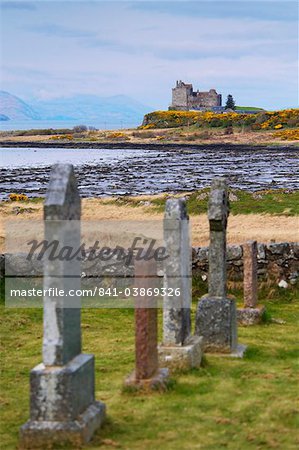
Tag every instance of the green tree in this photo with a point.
(230, 103)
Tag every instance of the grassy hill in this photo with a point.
(249, 108)
(263, 120)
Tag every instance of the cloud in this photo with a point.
(22, 6)
(60, 31)
(124, 48)
(274, 10)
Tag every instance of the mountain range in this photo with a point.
(79, 107)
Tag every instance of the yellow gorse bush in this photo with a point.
(288, 135)
(118, 135)
(18, 197)
(261, 120)
(63, 136)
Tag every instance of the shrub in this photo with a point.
(229, 130)
(288, 135)
(118, 135)
(293, 122)
(215, 122)
(80, 128)
(64, 136)
(18, 197)
(144, 134)
(261, 118)
(264, 120)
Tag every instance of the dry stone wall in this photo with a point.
(277, 261)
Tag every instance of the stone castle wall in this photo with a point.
(205, 99)
(180, 98)
(184, 98)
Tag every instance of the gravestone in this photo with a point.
(216, 319)
(251, 313)
(62, 398)
(179, 349)
(250, 274)
(147, 374)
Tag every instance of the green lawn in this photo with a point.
(227, 404)
(249, 108)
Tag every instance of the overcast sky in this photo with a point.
(52, 49)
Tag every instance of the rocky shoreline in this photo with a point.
(142, 146)
(151, 169)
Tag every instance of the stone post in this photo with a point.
(147, 374)
(218, 213)
(179, 349)
(251, 313)
(177, 273)
(250, 274)
(62, 400)
(216, 314)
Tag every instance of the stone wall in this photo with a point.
(276, 261)
(205, 99)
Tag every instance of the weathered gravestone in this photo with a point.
(251, 313)
(179, 348)
(62, 399)
(216, 313)
(147, 374)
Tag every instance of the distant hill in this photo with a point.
(80, 107)
(88, 107)
(14, 108)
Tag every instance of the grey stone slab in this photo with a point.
(62, 200)
(216, 323)
(177, 273)
(250, 316)
(234, 252)
(62, 393)
(62, 209)
(182, 357)
(47, 434)
(157, 382)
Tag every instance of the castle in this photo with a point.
(184, 98)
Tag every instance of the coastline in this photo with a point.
(147, 145)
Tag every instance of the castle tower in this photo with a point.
(184, 98)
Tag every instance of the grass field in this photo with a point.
(249, 108)
(275, 201)
(235, 404)
(270, 201)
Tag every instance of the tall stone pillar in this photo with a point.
(179, 349)
(62, 388)
(147, 373)
(216, 318)
(251, 313)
